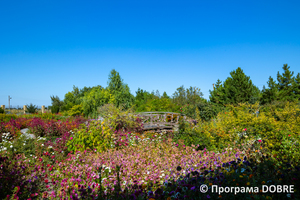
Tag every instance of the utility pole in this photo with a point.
(214, 86)
(9, 98)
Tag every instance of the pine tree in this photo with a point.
(270, 94)
(296, 87)
(217, 95)
(285, 82)
(236, 89)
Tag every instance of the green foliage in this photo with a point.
(31, 108)
(22, 145)
(271, 94)
(208, 110)
(158, 104)
(190, 95)
(2, 111)
(118, 119)
(287, 87)
(94, 135)
(193, 137)
(119, 90)
(236, 89)
(75, 110)
(97, 97)
(7, 117)
(57, 104)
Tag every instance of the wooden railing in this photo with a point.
(160, 120)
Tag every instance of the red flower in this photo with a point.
(46, 181)
(289, 135)
(259, 140)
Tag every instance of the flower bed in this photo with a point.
(134, 165)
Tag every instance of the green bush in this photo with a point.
(7, 117)
(31, 108)
(2, 111)
(94, 135)
(75, 110)
(191, 137)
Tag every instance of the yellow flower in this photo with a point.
(241, 176)
(169, 198)
(210, 184)
(248, 183)
(263, 182)
(151, 199)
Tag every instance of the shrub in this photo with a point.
(7, 117)
(31, 108)
(120, 120)
(75, 110)
(93, 135)
(2, 111)
(37, 127)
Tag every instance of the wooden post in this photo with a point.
(43, 109)
(24, 108)
(3, 107)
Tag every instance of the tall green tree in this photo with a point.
(97, 97)
(165, 95)
(119, 90)
(191, 95)
(269, 94)
(296, 87)
(217, 94)
(285, 84)
(236, 89)
(57, 104)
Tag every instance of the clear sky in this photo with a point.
(48, 46)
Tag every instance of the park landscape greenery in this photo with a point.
(241, 137)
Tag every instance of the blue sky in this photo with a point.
(46, 47)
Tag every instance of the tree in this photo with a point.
(119, 90)
(285, 84)
(56, 104)
(270, 94)
(31, 108)
(296, 86)
(217, 95)
(236, 89)
(97, 97)
(165, 95)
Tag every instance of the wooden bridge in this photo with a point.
(160, 120)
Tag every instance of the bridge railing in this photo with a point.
(160, 120)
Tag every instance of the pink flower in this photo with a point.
(245, 129)
(259, 140)
(71, 138)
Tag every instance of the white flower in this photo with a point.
(42, 145)
(11, 146)
(50, 147)
(24, 144)
(4, 148)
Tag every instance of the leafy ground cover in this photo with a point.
(113, 159)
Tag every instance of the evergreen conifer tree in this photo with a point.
(285, 84)
(270, 94)
(296, 87)
(236, 89)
